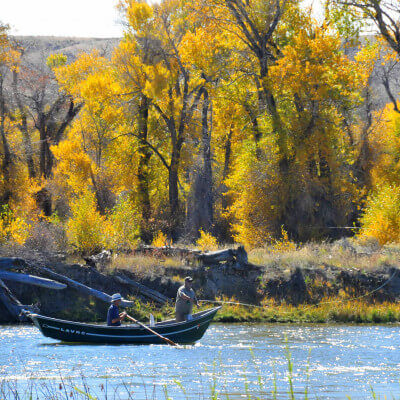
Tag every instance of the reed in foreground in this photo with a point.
(214, 387)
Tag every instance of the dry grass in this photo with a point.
(337, 309)
(346, 254)
(141, 264)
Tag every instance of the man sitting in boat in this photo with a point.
(114, 317)
(185, 298)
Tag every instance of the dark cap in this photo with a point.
(189, 279)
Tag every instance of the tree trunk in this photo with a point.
(173, 192)
(257, 134)
(42, 149)
(51, 131)
(23, 127)
(200, 201)
(80, 287)
(32, 280)
(228, 149)
(142, 289)
(143, 167)
(27, 147)
(11, 303)
(7, 158)
(207, 200)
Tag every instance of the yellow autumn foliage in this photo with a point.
(13, 229)
(10, 55)
(160, 240)
(191, 92)
(283, 244)
(74, 165)
(124, 225)
(87, 230)
(138, 14)
(381, 219)
(254, 185)
(206, 241)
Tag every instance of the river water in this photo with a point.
(233, 360)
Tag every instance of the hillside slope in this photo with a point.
(38, 48)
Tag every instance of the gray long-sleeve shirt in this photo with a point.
(183, 306)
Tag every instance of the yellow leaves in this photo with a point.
(9, 53)
(56, 60)
(124, 222)
(170, 51)
(160, 240)
(99, 91)
(71, 76)
(206, 241)
(12, 228)
(139, 14)
(283, 244)
(255, 189)
(385, 143)
(384, 52)
(314, 66)
(158, 77)
(152, 78)
(86, 229)
(381, 218)
(205, 48)
(366, 58)
(74, 166)
(89, 231)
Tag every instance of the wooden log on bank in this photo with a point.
(80, 287)
(167, 251)
(12, 305)
(237, 257)
(32, 280)
(7, 263)
(152, 294)
(215, 257)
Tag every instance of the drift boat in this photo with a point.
(179, 332)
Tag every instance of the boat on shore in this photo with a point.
(179, 332)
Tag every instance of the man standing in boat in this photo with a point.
(114, 317)
(185, 298)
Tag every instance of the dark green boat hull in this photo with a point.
(178, 332)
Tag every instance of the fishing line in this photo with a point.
(357, 297)
(310, 306)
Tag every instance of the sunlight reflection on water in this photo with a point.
(344, 360)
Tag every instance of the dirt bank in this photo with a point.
(298, 283)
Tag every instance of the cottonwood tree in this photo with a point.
(9, 63)
(42, 108)
(165, 82)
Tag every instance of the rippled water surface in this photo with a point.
(236, 359)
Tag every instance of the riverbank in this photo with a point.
(340, 282)
(329, 310)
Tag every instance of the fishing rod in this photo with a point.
(230, 302)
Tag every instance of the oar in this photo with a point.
(151, 330)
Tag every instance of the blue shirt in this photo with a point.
(113, 313)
